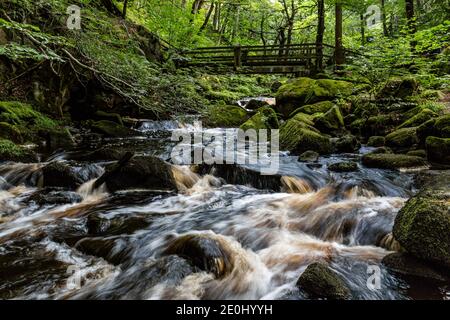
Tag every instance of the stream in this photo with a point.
(99, 245)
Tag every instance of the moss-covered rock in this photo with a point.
(9, 151)
(405, 264)
(30, 123)
(320, 107)
(349, 166)
(378, 125)
(10, 132)
(297, 135)
(392, 161)
(422, 226)
(309, 156)
(302, 91)
(332, 121)
(399, 88)
(442, 126)
(376, 141)
(112, 129)
(438, 150)
(346, 144)
(403, 139)
(227, 116)
(319, 281)
(418, 119)
(265, 118)
(382, 150)
(103, 115)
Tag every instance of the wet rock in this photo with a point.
(143, 172)
(204, 252)
(422, 225)
(408, 265)
(319, 281)
(239, 175)
(275, 86)
(302, 91)
(392, 161)
(330, 122)
(343, 167)
(227, 116)
(112, 129)
(382, 150)
(4, 185)
(255, 104)
(265, 118)
(61, 174)
(438, 150)
(309, 156)
(99, 225)
(113, 250)
(55, 196)
(102, 154)
(347, 144)
(376, 141)
(403, 139)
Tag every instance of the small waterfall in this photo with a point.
(295, 185)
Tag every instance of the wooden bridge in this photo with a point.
(294, 58)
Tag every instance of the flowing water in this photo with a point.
(101, 245)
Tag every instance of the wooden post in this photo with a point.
(237, 57)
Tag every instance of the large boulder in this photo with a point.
(61, 175)
(422, 225)
(227, 116)
(403, 140)
(143, 172)
(376, 141)
(392, 161)
(347, 144)
(265, 118)
(438, 150)
(331, 121)
(319, 281)
(349, 166)
(297, 135)
(303, 91)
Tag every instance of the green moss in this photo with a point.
(399, 88)
(438, 149)
(418, 153)
(319, 281)
(265, 118)
(25, 120)
(376, 141)
(297, 135)
(402, 139)
(224, 116)
(392, 161)
(343, 167)
(442, 126)
(320, 107)
(331, 121)
(11, 152)
(302, 91)
(10, 132)
(422, 227)
(420, 118)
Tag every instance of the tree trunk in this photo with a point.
(320, 34)
(363, 30)
(111, 7)
(124, 11)
(236, 23)
(383, 18)
(411, 20)
(208, 16)
(339, 54)
(217, 14)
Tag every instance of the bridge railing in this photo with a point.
(254, 56)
